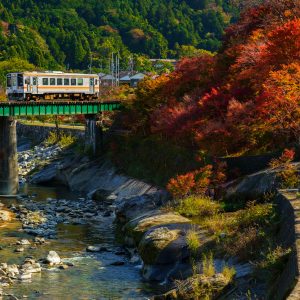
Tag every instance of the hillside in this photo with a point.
(56, 33)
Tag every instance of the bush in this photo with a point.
(244, 244)
(193, 242)
(182, 185)
(208, 265)
(229, 273)
(254, 215)
(197, 206)
(63, 140)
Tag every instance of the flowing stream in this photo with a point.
(91, 277)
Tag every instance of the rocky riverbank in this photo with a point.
(155, 238)
(158, 237)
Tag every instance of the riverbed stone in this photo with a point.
(93, 249)
(5, 216)
(53, 258)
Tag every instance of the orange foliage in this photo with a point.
(244, 99)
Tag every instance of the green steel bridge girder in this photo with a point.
(43, 108)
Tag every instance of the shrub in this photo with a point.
(63, 140)
(199, 182)
(254, 215)
(286, 157)
(197, 206)
(193, 242)
(229, 273)
(244, 244)
(66, 140)
(275, 259)
(208, 264)
(52, 138)
(182, 185)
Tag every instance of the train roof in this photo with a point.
(54, 73)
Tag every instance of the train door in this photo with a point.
(34, 85)
(92, 86)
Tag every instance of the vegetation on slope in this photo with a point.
(243, 100)
(55, 33)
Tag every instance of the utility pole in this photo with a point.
(91, 63)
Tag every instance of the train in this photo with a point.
(52, 85)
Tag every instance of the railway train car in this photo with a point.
(52, 85)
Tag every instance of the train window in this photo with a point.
(34, 80)
(59, 81)
(80, 81)
(45, 81)
(96, 81)
(66, 81)
(20, 80)
(8, 80)
(52, 81)
(73, 81)
(27, 80)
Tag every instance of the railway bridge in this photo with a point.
(9, 111)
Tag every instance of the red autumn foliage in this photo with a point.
(287, 156)
(243, 100)
(198, 182)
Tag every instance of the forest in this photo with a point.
(242, 101)
(60, 34)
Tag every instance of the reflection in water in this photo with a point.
(92, 277)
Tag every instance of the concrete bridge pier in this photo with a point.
(93, 134)
(9, 180)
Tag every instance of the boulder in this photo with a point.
(254, 185)
(130, 208)
(164, 250)
(53, 258)
(140, 225)
(45, 175)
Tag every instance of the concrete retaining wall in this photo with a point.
(40, 133)
(288, 284)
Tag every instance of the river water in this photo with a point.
(92, 276)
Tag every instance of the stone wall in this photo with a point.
(40, 133)
(288, 284)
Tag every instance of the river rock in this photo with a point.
(138, 226)
(130, 208)
(21, 249)
(93, 249)
(5, 216)
(23, 242)
(25, 276)
(53, 258)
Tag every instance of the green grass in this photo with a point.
(201, 206)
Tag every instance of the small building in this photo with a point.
(107, 80)
(135, 79)
(125, 80)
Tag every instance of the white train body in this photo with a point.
(52, 85)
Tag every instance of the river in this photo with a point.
(91, 277)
